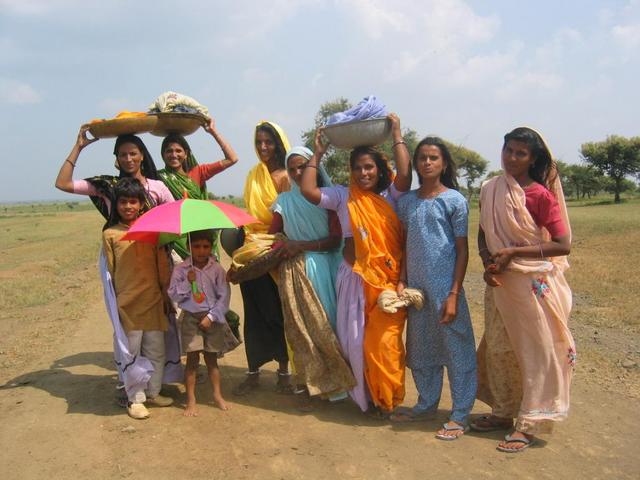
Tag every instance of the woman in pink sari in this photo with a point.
(527, 354)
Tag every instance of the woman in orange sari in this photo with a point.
(527, 354)
(370, 339)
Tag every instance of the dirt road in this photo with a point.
(59, 420)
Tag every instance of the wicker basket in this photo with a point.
(180, 123)
(123, 126)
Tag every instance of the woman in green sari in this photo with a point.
(184, 177)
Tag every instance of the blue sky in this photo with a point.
(468, 71)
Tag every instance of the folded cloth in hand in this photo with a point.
(177, 103)
(389, 301)
(369, 107)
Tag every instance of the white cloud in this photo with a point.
(628, 36)
(18, 93)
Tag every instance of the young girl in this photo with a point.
(527, 355)
(140, 273)
(439, 335)
(370, 338)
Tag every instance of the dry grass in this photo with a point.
(47, 275)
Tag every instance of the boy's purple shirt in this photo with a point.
(211, 280)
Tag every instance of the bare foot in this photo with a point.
(190, 410)
(219, 402)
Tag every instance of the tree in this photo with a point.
(336, 161)
(471, 165)
(617, 157)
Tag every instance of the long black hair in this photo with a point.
(543, 165)
(449, 176)
(281, 152)
(180, 140)
(147, 167)
(382, 163)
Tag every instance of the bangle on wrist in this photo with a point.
(393, 145)
(451, 292)
(311, 166)
(73, 165)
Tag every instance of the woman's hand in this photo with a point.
(489, 276)
(449, 309)
(210, 126)
(400, 287)
(396, 133)
(501, 259)
(319, 146)
(290, 249)
(82, 140)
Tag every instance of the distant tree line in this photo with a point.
(607, 166)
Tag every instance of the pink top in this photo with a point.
(201, 173)
(157, 191)
(544, 208)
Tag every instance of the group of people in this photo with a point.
(341, 250)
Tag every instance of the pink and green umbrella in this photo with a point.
(169, 221)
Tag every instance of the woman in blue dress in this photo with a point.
(435, 217)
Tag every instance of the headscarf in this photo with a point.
(259, 189)
(105, 184)
(302, 219)
(180, 183)
(506, 221)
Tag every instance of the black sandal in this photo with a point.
(249, 384)
(284, 386)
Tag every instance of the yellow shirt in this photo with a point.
(140, 273)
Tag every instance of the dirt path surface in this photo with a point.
(59, 418)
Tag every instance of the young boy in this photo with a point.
(140, 273)
(199, 287)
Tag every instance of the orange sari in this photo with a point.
(379, 240)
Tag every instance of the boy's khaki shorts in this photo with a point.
(218, 339)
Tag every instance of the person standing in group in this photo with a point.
(307, 285)
(527, 355)
(370, 338)
(133, 160)
(140, 273)
(185, 178)
(263, 322)
(435, 217)
(204, 327)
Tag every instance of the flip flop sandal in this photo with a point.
(455, 428)
(492, 424)
(409, 416)
(526, 443)
(284, 388)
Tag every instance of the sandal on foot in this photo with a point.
(491, 424)
(377, 413)
(452, 428)
(247, 385)
(284, 386)
(524, 442)
(409, 416)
